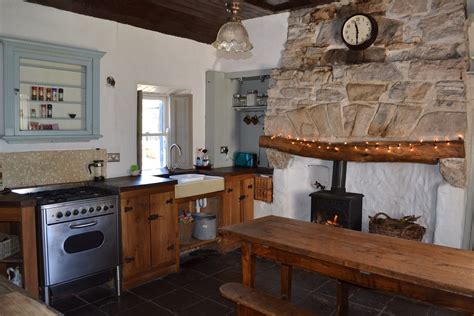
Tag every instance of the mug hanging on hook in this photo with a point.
(255, 119)
(247, 119)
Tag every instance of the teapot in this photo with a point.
(14, 275)
(98, 170)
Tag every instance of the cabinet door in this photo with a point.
(164, 229)
(231, 213)
(135, 235)
(247, 197)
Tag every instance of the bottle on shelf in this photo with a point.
(50, 110)
(60, 94)
(48, 94)
(54, 94)
(34, 93)
(41, 93)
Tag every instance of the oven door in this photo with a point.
(78, 248)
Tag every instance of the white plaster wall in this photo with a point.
(133, 56)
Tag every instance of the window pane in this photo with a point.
(152, 116)
(153, 152)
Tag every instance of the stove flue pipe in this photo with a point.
(339, 169)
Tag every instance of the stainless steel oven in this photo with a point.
(78, 234)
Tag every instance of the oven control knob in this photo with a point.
(83, 211)
(59, 214)
(98, 208)
(111, 206)
(106, 207)
(75, 212)
(68, 213)
(91, 209)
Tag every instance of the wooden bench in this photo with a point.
(262, 303)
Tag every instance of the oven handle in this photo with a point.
(83, 225)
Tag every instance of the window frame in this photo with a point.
(166, 124)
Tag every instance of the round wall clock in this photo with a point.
(359, 31)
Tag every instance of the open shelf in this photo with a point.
(16, 258)
(250, 108)
(196, 244)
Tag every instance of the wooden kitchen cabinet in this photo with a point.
(238, 204)
(149, 235)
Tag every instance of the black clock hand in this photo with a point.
(357, 33)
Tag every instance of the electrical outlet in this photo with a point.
(224, 150)
(113, 157)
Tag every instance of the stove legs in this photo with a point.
(118, 281)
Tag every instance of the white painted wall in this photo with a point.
(133, 56)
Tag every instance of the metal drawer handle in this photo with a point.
(83, 225)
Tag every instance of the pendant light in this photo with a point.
(232, 36)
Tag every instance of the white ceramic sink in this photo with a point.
(192, 184)
(185, 178)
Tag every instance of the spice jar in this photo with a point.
(50, 110)
(33, 113)
(54, 93)
(48, 94)
(252, 98)
(41, 93)
(60, 94)
(34, 93)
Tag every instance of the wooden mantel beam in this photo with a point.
(382, 151)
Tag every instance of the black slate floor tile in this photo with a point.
(177, 300)
(328, 288)
(96, 293)
(67, 303)
(360, 310)
(229, 275)
(146, 308)
(320, 304)
(439, 311)
(370, 298)
(113, 305)
(404, 307)
(205, 308)
(87, 310)
(184, 276)
(210, 267)
(205, 287)
(308, 280)
(153, 289)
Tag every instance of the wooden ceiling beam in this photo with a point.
(261, 5)
(300, 4)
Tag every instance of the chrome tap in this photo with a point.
(172, 167)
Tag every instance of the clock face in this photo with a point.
(359, 31)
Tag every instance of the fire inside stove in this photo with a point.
(321, 218)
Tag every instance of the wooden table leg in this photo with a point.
(342, 298)
(286, 272)
(248, 265)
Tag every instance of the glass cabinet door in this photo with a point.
(52, 96)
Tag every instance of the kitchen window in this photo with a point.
(153, 121)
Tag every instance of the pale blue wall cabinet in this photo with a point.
(50, 92)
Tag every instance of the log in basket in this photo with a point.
(405, 227)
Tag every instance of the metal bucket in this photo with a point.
(205, 226)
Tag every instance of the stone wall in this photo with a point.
(409, 85)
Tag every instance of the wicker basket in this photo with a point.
(9, 246)
(186, 232)
(405, 227)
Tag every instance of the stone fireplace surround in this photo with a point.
(410, 85)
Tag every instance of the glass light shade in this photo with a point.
(233, 37)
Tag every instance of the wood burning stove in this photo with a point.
(336, 206)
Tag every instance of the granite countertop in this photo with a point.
(147, 180)
(221, 172)
(128, 183)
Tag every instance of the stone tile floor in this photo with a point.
(195, 291)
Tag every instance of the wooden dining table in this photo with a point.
(436, 274)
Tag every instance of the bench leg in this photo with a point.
(248, 265)
(286, 282)
(342, 298)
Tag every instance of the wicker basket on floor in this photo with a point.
(405, 227)
(9, 246)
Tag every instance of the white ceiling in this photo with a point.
(162, 90)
